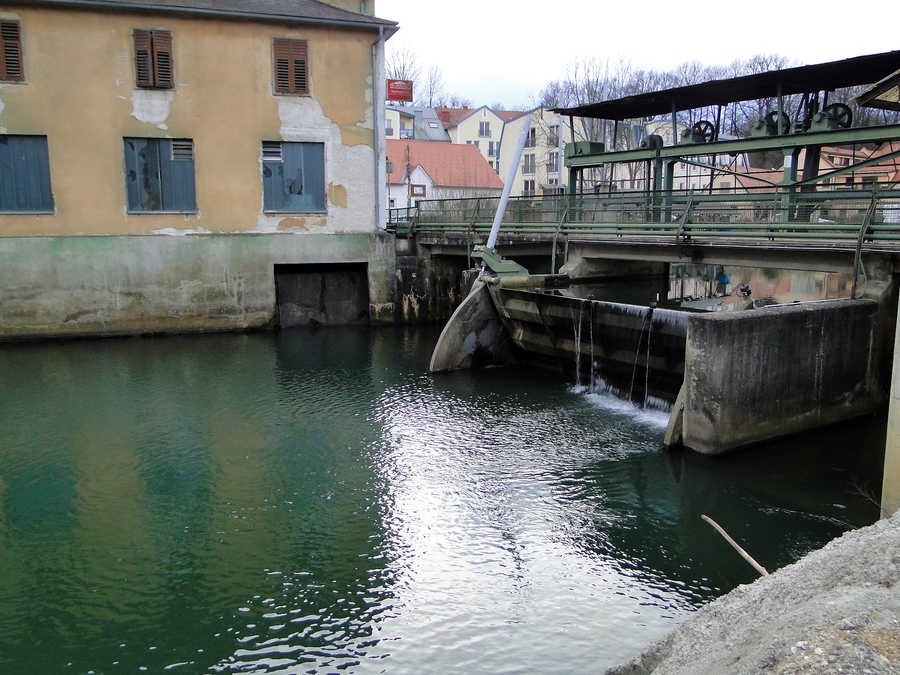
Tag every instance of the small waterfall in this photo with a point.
(576, 325)
(647, 365)
(637, 351)
(591, 334)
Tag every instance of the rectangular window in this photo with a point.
(528, 163)
(475, 143)
(293, 177)
(484, 129)
(11, 52)
(528, 189)
(553, 135)
(159, 175)
(417, 190)
(153, 59)
(493, 149)
(25, 175)
(290, 59)
(553, 162)
(532, 138)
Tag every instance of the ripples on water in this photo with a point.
(314, 502)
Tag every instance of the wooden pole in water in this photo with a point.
(746, 556)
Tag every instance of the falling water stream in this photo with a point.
(314, 502)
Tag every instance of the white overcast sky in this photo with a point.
(506, 50)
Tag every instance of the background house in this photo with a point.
(169, 167)
(437, 170)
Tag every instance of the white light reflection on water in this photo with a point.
(491, 577)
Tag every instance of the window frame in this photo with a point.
(484, 129)
(528, 164)
(173, 163)
(303, 151)
(417, 190)
(159, 58)
(42, 166)
(526, 192)
(288, 49)
(531, 140)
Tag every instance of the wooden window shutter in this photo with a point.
(143, 59)
(153, 59)
(291, 72)
(162, 59)
(11, 52)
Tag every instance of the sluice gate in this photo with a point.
(636, 352)
(732, 379)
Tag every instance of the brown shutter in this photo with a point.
(281, 53)
(162, 59)
(11, 52)
(143, 61)
(290, 66)
(298, 57)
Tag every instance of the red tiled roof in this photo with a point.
(507, 115)
(448, 164)
(451, 116)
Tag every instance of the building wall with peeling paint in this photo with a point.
(80, 93)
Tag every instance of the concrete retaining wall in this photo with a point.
(760, 374)
(72, 286)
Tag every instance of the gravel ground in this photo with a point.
(836, 610)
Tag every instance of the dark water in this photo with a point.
(313, 501)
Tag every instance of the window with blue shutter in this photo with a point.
(293, 177)
(25, 175)
(159, 175)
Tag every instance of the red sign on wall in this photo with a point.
(399, 90)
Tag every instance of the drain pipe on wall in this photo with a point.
(378, 96)
(507, 187)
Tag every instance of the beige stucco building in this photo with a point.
(541, 169)
(164, 161)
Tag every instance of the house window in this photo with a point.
(293, 177)
(25, 175)
(532, 138)
(11, 52)
(484, 129)
(391, 204)
(159, 175)
(389, 130)
(553, 162)
(491, 163)
(290, 60)
(153, 59)
(528, 189)
(553, 135)
(417, 190)
(528, 163)
(493, 148)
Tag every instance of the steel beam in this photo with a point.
(838, 137)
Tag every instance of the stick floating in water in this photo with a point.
(746, 556)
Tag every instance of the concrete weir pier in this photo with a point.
(732, 379)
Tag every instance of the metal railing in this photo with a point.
(858, 213)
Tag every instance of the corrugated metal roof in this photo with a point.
(448, 164)
(818, 77)
(302, 11)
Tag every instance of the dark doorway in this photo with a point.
(322, 294)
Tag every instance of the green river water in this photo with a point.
(313, 501)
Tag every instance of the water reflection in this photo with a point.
(312, 501)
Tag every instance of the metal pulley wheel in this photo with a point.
(840, 113)
(772, 122)
(705, 130)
